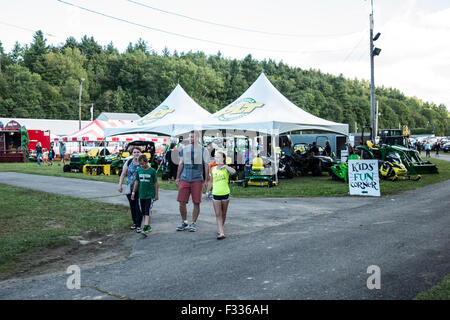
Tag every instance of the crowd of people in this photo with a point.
(195, 172)
(198, 169)
(427, 146)
(47, 156)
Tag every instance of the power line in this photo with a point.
(169, 32)
(25, 29)
(195, 38)
(237, 28)
(357, 45)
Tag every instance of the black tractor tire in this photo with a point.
(289, 173)
(66, 168)
(317, 171)
(245, 184)
(270, 184)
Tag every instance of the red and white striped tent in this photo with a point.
(95, 132)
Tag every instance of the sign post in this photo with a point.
(363, 178)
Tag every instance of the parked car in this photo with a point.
(446, 147)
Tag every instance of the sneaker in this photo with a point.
(183, 226)
(146, 230)
(192, 227)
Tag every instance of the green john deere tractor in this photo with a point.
(409, 157)
(95, 156)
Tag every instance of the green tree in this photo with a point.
(33, 55)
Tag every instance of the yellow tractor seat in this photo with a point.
(370, 145)
(148, 154)
(93, 152)
(257, 164)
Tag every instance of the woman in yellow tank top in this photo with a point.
(218, 180)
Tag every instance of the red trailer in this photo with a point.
(35, 136)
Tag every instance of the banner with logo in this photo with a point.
(363, 178)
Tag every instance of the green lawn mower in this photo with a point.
(340, 171)
(95, 156)
(259, 174)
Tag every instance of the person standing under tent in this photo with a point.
(170, 158)
(62, 153)
(327, 150)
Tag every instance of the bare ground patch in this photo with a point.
(87, 250)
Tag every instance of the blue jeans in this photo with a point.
(38, 157)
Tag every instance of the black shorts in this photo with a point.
(221, 198)
(146, 206)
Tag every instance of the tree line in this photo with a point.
(43, 81)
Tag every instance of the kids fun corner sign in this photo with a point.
(363, 178)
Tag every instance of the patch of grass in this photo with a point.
(307, 186)
(54, 170)
(31, 221)
(438, 292)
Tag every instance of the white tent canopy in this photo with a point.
(264, 109)
(176, 115)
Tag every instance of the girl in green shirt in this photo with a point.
(218, 180)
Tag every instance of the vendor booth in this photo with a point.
(13, 142)
(263, 108)
(176, 115)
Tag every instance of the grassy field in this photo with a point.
(31, 221)
(438, 292)
(306, 186)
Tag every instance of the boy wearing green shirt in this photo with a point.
(147, 183)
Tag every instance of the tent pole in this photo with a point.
(275, 158)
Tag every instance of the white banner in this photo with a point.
(363, 178)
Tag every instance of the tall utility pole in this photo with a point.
(79, 103)
(79, 110)
(373, 52)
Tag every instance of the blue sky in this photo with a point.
(329, 35)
